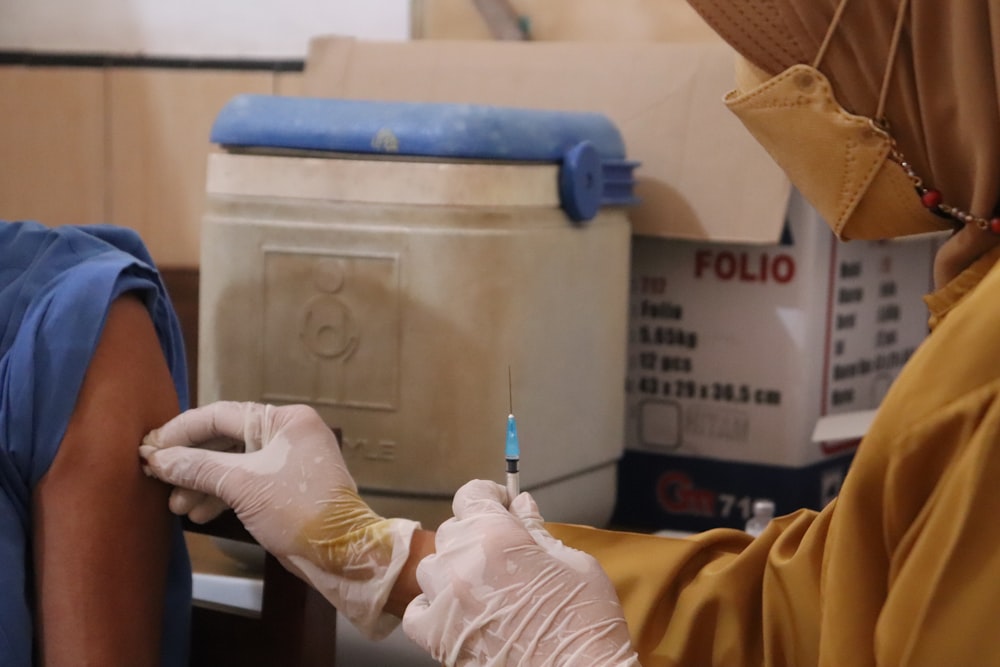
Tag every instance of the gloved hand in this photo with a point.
(293, 492)
(502, 591)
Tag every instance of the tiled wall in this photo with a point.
(119, 144)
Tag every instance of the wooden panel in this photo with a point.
(297, 627)
(160, 122)
(52, 143)
(288, 83)
(560, 20)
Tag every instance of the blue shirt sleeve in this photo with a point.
(56, 288)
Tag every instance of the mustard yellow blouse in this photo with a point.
(903, 568)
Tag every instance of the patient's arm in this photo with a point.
(101, 527)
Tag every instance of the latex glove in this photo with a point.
(293, 492)
(502, 591)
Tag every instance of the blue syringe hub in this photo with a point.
(513, 448)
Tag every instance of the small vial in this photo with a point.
(763, 512)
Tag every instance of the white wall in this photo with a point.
(276, 29)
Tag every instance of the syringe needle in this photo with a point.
(512, 448)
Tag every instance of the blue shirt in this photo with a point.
(56, 287)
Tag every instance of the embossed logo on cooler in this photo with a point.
(331, 328)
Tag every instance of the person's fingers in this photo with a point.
(208, 509)
(184, 500)
(416, 607)
(203, 470)
(422, 625)
(199, 507)
(525, 508)
(479, 496)
(426, 575)
(200, 426)
(448, 533)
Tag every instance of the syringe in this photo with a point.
(512, 450)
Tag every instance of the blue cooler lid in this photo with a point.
(593, 171)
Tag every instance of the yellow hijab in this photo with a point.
(943, 101)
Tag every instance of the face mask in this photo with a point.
(845, 165)
(840, 162)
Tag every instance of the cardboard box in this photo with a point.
(577, 20)
(737, 351)
(750, 322)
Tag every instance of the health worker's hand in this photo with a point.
(281, 470)
(500, 590)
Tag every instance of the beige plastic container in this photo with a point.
(393, 295)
